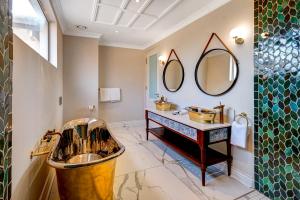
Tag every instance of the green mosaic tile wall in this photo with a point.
(6, 56)
(277, 98)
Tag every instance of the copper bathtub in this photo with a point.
(85, 160)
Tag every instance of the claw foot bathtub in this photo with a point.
(85, 160)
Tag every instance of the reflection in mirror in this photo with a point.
(173, 75)
(217, 72)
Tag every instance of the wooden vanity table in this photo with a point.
(191, 139)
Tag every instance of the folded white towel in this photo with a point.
(239, 133)
(104, 95)
(110, 94)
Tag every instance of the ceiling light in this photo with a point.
(138, 1)
(81, 27)
(116, 31)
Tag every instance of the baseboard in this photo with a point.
(45, 194)
(133, 123)
(241, 177)
(237, 174)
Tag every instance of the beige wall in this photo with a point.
(37, 86)
(122, 68)
(80, 77)
(190, 42)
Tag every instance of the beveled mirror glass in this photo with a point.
(173, 75)
(216, 72)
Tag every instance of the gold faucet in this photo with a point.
(162, 100)
(45, 144)
(221, 108)
(50, 133)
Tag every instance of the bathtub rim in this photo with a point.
(60, 165)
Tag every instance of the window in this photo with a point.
(153, 76)
(31, 25)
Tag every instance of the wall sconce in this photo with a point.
(162, 60)
(238, 34)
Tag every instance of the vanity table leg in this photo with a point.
(202, 145)
(229, 159)
(147, 125)
(203, 165)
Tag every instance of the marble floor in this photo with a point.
(148, 170)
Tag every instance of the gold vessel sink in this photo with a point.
(202, 115)
(163, 105)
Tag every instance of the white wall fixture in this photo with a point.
(111, 95)
(92, 108)
(162, 60)
(239, 34)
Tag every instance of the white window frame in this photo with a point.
(50, 53)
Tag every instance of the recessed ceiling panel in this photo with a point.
(157, 7)
(126, 18)
(112, 2)
(134, 6)
(143, 21)
(122, 22)
(106, 14)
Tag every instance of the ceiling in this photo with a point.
(128, 23)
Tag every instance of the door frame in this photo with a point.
(149, 102)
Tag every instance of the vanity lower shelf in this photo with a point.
(190, 139)
(186, 148)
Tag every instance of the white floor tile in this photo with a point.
(151, 184)
(148, 171)
(135, 158)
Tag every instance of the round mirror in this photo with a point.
(216, 72)
(173, 75)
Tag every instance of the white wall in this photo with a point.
(80, 77)
(37, 86)
(190, 41)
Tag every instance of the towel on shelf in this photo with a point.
(115, 94)
(110, 94)
(239, 133)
